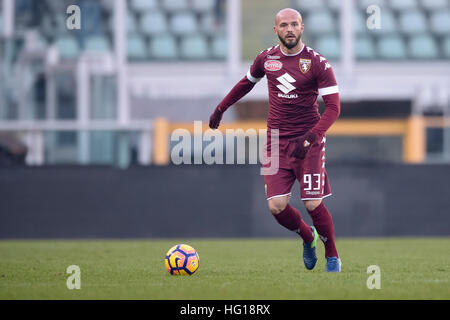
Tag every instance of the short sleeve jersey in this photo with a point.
(294, 82)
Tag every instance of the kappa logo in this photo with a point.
(305, 65)
(273, 65)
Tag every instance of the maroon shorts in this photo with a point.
(310, 172)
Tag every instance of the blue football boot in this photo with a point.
(309, 251)
(333, 264)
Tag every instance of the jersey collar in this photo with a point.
(292, 54)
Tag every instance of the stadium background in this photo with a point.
(86, 116)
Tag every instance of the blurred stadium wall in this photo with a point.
(105, 86)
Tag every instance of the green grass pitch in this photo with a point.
(411, 268)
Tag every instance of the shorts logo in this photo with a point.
(273, 65)
(305, 65)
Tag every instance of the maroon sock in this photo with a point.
(323, 223)
(291, 219)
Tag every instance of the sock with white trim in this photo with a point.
(291, 219)
(323, 223)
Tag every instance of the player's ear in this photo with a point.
(275, 29)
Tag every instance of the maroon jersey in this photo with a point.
(294, 82)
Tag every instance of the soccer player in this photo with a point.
(296, 74)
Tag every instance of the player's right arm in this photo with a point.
(244, 86)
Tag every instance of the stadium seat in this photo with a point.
(209, 26)
(446, 47)
(320, 22)
(153, 22)
(163, 47)
(174, 5)
(412, 22)
(131, 23)
(219, 47)
(335, 4)
(401, 5)
(108, 5)
(136, 48)
(434, 4)
(67, 47)
(364, 48)
(391, 47)
(423, 47)
(97, 43)
(329, 47)
(143, 5)
(183, 23)
(440, 22)
(307, 5)
(194, 47)
(203, 5)
(388, 23)
(359, 22)
(40, 42)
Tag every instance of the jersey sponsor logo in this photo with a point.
(286, 80)
(273, 65)
(288, 96)
(305, 65)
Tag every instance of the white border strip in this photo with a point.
(252, 78)
(280, 195)
(328, 90)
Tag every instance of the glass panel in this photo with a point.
(401, 30)
(321, 20)
(176, 30)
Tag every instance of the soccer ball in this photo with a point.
(182, 260)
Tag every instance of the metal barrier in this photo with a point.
(154, 141)
(412, 130)
(32, 133)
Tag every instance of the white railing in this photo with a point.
(33, 132)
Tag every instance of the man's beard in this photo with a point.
(292, 44)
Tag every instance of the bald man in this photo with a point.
(296, 75)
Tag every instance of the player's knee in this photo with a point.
(310, 205)
(277, 205)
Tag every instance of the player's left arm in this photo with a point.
(329, 91)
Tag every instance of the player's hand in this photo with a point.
(303, 144)
(215, 118)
